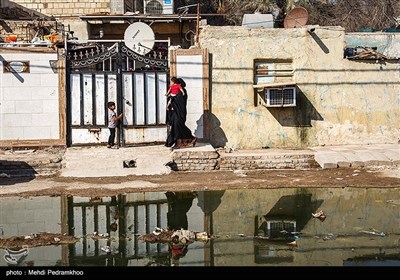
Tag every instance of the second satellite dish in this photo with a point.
(139, 37)
(297, 17)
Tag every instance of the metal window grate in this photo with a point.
(280, 97)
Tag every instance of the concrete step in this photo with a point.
(104, 162)
(28, 172)
(29, 168)
(268, 162)
(358, 156)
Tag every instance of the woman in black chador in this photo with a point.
(180, 135)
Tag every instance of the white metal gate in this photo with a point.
(136, 83)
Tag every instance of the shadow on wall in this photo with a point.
(14, 172)
(217, 135)
(299, 116)
(16, 74)
(319, 42)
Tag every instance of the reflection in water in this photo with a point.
(249, 227)
(283, 223)
(179, 204)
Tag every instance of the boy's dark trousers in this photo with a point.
(111, 138)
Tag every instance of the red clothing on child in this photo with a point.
(175, 88)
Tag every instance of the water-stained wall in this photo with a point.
(339, 101)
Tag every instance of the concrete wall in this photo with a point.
(29, 102)
(193, 67)
(339, 101)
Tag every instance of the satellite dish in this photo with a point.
(139, 37)
(297, 17)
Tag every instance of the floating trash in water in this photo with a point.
(329, 236)
(392, 201)
(320, 215)
(106, 249)
(373, 231)
(157, 230)
(4, 175)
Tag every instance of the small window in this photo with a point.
(263, 71)
(273, 83)
(16, 67)
(272, 71)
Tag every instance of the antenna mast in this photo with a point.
(197, 25)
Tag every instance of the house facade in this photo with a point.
(108, 19)
(82, 27)
(248, 88)
(300, 87)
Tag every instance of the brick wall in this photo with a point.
(67, 8)
(212, 160)
(195, 161)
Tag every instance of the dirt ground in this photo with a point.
(200, 181)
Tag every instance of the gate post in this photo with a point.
(119, 101)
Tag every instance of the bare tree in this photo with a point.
(235, 9)
(353, 15)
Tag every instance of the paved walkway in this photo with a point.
(147, 160)
(358, 155)
(154, 160)
(104, 162)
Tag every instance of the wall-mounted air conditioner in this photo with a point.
(280, 97)
(158, 7)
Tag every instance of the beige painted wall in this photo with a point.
(341, 101)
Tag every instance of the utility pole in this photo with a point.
(197, 25)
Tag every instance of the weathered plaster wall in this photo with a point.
(339, 101)
(29, 102)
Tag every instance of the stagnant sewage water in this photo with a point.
(261, 227)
